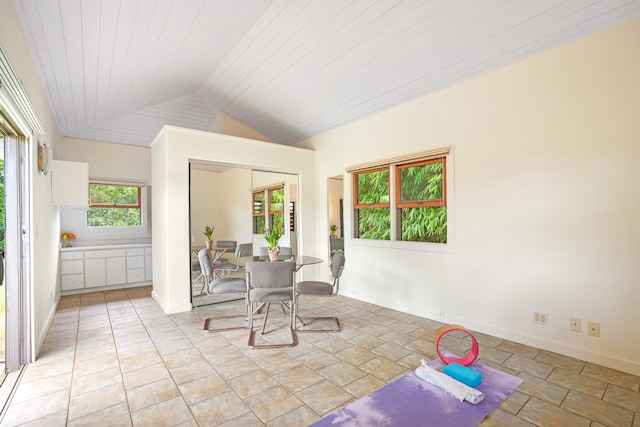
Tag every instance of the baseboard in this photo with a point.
(168, 308)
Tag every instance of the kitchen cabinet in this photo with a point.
(72, 270)
(104, 267)
(70, 184)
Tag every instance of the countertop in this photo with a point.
(101, 247)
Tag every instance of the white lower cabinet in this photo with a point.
(95, 273)
(104, 267)
(72, 270)
(116, 271)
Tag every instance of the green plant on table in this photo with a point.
(208, 231)
(272, 235)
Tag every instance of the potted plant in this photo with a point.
(208, 234)
(334, 230)
(272, 236)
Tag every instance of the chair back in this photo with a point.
(244, 249)
(206, 263)
(286, 251)
(227, 244)
(337, 265)
(265, 274)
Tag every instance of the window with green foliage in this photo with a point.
(258, 212)
(372, 210)
(114, 206)
(419, 202)
(276, 206)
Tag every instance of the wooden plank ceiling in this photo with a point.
(117, 70)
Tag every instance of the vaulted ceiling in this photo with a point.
(118, 70)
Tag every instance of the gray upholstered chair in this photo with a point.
(226, 268)
(269, 282)
(312, 287)
(217, 286)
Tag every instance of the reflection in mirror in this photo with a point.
(274, 196)
(335, 193)
(218, 197)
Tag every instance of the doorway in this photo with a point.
(335, 197)
(15, 215)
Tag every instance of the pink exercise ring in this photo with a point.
(464, 361)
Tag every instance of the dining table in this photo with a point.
(300, 260)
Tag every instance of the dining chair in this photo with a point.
(269, 282)
(318, 288)
(219, 286)
(226, 267)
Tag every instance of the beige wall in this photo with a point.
(227, 125)
(543, 200)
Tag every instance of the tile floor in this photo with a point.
(115, 359)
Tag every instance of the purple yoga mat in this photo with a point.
(412, 402)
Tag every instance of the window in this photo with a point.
(411, 208)
(371, 195)
(113, 205)
(276, 206)
(421, 201)
(258, 213)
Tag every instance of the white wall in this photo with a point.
(544, 203)
(45, 292)
(171, 152)
(205, 205)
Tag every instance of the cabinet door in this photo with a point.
(135, 262)
(135, 275)
(71, 267)
(72, 281)
(116, 271)
(94, 273)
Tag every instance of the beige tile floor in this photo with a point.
(115, 359)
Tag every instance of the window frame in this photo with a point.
(116, 206)
(136, 230)
(263, 212)
(443, 155)
(359, 207)
(421, 203)
(273, 212)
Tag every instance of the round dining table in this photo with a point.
(300, 260)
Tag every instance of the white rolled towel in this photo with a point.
(452, 386)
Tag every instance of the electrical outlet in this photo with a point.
(540, 317)
(594, 329)
(575, 325)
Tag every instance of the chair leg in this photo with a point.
(251, 343)
(311, 319)
(266, 316)
(208, 321)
